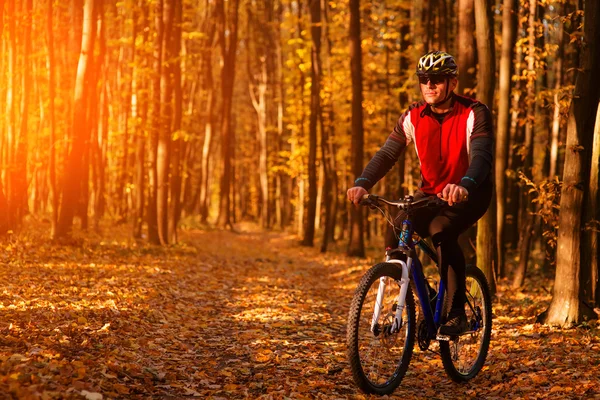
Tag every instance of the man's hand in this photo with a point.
(356, 193)
(453, 194)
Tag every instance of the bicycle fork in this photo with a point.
(400, 300)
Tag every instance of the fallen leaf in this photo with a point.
(92, 395)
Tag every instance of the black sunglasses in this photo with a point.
(434, 79)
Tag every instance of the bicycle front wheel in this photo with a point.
(378, 352)
(463, 356)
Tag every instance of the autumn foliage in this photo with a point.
(141, 139)
(247, 315)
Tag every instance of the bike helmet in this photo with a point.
(437, 63)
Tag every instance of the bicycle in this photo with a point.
(382, 321)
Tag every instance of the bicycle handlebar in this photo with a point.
(404, 204)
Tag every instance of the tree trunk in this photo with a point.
(526, 219)
(591, 220)
(4, 219)
(163, 153)
(558, 78)
(228, 19)
(315, 115)
(52, 118)
(99, 144)
(142, 100)
(74, 163)
(101, 150)
(509, 30)
(206, 147)
(566, 308)
(281, 216)
(257, 85)
(209, 122)
(152, 216)
(175, 180)
(4, 222)
(91, 115)
(11, 118)
(466, 58)
(466, 46)
(129, 93)
(511, 231)
(356, 246)
(429, 28)
(124, 105)
(487, 256)
(19, 174)
(328, 152)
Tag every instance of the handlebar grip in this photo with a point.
(368, 200)
(364, 200)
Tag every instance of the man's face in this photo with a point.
(433, 88)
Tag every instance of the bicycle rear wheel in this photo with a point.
(463, 356)
(379, 358)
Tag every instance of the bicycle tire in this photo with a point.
(479, 340)
(358, 334)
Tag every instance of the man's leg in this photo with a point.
(452, 271)
(445, 229)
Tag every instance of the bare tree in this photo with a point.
(178, 143)
(566, 307)
(142, 99)
(52, 118)
(19, 173)
(526, 219)
(328, 151)
(466, 45)
(209, 107)
(591, 217)
(228, 21)
(74, 163)
(258, 84)
(163, 150)
(315, 115)
(11, 117)
(509, 30)
(486, 82)
(356, 246)
(151, 215)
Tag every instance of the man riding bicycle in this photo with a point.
(453, 138)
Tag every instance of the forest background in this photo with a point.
(162, 114)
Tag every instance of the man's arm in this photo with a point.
(481, 149)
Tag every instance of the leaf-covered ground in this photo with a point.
(237, 315)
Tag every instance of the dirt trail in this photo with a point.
(288, 310)
(237, 315)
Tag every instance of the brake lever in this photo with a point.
(436, 201)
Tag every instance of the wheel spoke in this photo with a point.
(464, 356)
(381, 357)
(381, 351)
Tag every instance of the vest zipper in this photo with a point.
(440, 142)
(440, 124)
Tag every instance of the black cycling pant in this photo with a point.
(444, 224)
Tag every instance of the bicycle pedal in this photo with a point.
(443, 338)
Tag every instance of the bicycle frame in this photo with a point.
(412, 267)
(432, 317)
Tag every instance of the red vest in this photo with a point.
(443, 149)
